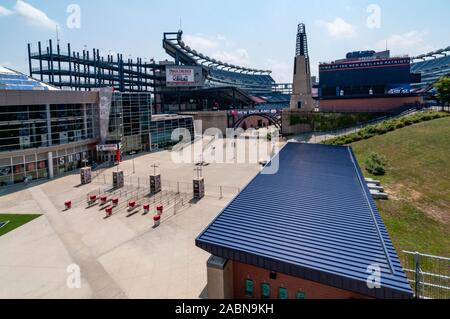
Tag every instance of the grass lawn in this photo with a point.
(15, 221)
(417, 179)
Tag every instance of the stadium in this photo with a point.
(431, 66)
(311, 230)
(369, 81)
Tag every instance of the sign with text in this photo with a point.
(107, 148)
(183, 76)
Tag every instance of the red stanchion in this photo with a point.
(115, 201)
(93, 198)
(104, 199)
(146, 208)
(156, 220)
(132, 204)
(109, 211)
(68, 204)
(159, 209)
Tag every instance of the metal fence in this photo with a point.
(215, 191)
(429, 275)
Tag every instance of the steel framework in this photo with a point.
(87, 70)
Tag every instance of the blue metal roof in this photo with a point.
(314, 219)
(12, 80)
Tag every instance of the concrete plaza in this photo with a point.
(119, 257)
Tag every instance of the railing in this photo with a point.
(132, 182)
(429, 275)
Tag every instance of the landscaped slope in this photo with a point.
(417, 179)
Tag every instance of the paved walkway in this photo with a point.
(122, 256)
(102, 285)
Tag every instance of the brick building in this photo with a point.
(304, 227)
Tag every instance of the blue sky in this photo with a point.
(254, 33)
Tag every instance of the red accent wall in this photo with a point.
(312, 290)
(384, 104)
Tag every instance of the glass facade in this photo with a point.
(26, 126)
(13, 170)
(29, 132)
(26, 129)
(161, 129)
(71, 159)
(129, 120)
(131, 123)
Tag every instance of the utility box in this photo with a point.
(220, 278)
(86, 175)
(118, 180)
(199, 188)
(155, 184)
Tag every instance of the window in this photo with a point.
(282, 293)
(265, 291)
(301, 295)
(249, 285)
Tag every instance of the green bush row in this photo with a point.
(385, 127)
(330, 121)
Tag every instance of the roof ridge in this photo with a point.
(380, 235)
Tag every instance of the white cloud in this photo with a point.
(5, 12)
(34, 16)
(199, 42)
(238, 57)
(412, 43)
(218, 47)
(282, 72)
(339, 28)
(7, 64)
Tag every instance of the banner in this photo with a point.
(180, 76)
(105, 100)
(184, 76)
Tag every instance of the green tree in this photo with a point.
(443, 89)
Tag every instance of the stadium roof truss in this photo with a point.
(175, 47)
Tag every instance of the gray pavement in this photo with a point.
(119, 257)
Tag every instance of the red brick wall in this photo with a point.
(312, 290)
(368, 104)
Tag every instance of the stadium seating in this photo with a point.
(255, 84)
(253, 81)
(431, 70)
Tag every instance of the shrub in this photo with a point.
(390, 126)
(415, 119)
(375, 164)
(371, 129)
(407, 121)
(381, 129)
